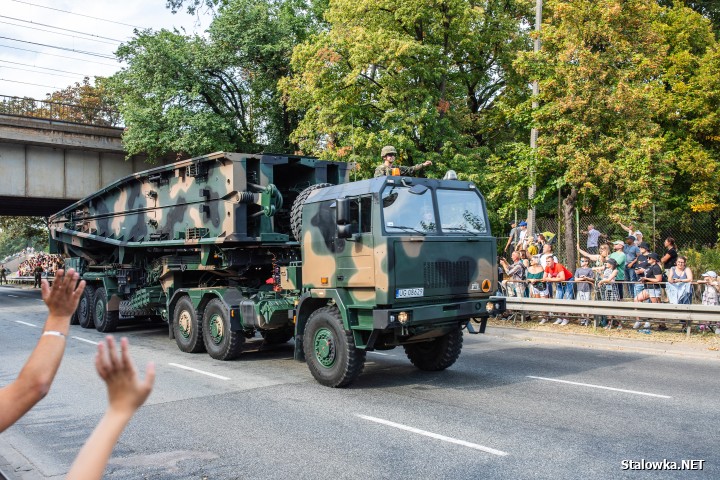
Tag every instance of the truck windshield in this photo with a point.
(461, 212)
(408, 212)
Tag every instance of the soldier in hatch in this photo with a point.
(389, 154)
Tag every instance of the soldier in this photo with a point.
(388, 155)
(38, 271)
(3, 278)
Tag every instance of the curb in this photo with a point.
(592, 341)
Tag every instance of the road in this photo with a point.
(506, 409)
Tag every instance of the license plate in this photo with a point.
(409, 292)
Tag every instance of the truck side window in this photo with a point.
(360, 214)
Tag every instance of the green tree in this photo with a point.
(193, 95)
(605, 119)
(17, 233)
(422, 76)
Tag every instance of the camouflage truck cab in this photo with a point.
(400, 261)
(210, 246)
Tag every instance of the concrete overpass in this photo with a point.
(46, 165)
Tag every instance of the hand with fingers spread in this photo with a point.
(126, 393)
(62, 298)
(125, 390)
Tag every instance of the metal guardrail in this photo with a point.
(646, 311)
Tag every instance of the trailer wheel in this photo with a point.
(74, 318)
(276, 337)
(105, 320)
(330, 351)
(296, 210)
(437, 354)
(187, 328)
(85, 307)
(221, 342)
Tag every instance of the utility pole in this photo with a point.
(534, 132)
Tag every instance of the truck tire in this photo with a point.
(74, 319)
(296, 210)
(187, 328)
(105, 320)
(330, 351)
(276, 337)
(437, 354)
(221, 342)
(85, 308)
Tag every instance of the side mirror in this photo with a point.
(346, 231)
(342, 211)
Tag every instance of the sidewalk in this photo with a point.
(628, 340)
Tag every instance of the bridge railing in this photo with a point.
(66, 112)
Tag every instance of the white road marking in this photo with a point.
(600, 387)
(199, 371)
(434, 435)
(14, 296)
(383, 354)
(25, 323)
(85, 340)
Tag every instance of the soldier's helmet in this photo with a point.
(387, 150)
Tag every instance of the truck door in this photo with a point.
(355, 260)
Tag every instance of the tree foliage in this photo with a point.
(192, 94)
(423, 76)
(17, 233)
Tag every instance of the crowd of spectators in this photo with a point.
(624, 269)
(40, 260)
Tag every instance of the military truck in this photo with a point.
(209, 246)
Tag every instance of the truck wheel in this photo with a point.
(85, 307)
(296, 210)
(437, 354)
(188, 331)
(105, 320)
(221, 342)
(74, 319)
(330, 351)
(276, 337)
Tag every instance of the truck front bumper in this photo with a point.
(411, 316)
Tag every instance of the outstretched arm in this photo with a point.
(35, 378)
(126, 394)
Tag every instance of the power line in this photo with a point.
(82, 52)
(59, 28)
(78, 14)
(45, 68)
(35, 71)
(36, 29)
(55, 55)
(28, 83)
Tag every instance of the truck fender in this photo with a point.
(307, 304)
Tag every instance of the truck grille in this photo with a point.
(446, 274)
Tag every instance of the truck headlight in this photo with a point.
(490, 307)
(403, 317)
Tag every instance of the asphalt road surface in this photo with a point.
(506, 409)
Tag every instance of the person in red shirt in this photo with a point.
(555, 272)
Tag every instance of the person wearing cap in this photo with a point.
(710, 293)
(388, 155)
(639, 268)
(522, 236)
(619, 256)
(631, 252)
(652, 278)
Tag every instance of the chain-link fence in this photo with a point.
(692, 231)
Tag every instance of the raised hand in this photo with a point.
(125, 390)
(63, 297)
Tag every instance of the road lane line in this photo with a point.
(199, 371)
(85, 340)
(25, 323)
(433, 435)
(383, 354)
(14, 296)
(600, 387)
